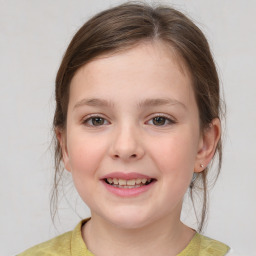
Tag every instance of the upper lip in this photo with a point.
(125, 176)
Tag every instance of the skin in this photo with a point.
(136, 85)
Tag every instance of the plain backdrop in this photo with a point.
(33, 38)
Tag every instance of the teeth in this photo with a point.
(110, 181)
(144, 181)
(138, 181)
(128, 183)
(136, 186)
(122, 182)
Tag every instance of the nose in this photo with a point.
(127, 144)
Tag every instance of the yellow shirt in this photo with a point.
(72, 244)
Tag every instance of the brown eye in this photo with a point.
(95, 121)
(159, 120)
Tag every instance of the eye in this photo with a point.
(161, 121)
(95, 121)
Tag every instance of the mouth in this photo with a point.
(128, 184)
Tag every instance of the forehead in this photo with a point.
(149, 66)
(155, 50)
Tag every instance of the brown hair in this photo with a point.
(122, 27)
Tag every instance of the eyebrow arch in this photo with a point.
(160, 102)
(94, 102)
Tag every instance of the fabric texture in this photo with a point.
(72, 244)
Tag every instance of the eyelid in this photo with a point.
(171, 119)
(90, 116)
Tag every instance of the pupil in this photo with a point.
(159, 120)
(97, 121)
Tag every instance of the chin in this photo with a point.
(129, 220)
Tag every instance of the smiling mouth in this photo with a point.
(132, 183)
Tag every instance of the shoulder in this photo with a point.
(59, 245)
(70, 243)
(209, 246)
(204, 246)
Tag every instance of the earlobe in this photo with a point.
(62, 141)
(207, 146)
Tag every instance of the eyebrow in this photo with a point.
(160, 102)
(95, 102)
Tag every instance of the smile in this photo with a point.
(128, 184)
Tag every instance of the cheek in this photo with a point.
(85, 155)
(175, 154)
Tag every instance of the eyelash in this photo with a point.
(90, 118)
(167, 120)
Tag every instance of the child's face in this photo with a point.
(133, 115)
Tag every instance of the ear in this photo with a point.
(207, 145)
(61, 136)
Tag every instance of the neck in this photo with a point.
(166, 237)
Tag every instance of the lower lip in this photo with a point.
(128, 192)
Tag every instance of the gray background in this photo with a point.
(33, 37)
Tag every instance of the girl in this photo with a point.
(137, 123)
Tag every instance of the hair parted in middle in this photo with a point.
(123, 27)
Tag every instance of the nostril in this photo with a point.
(131, 156)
